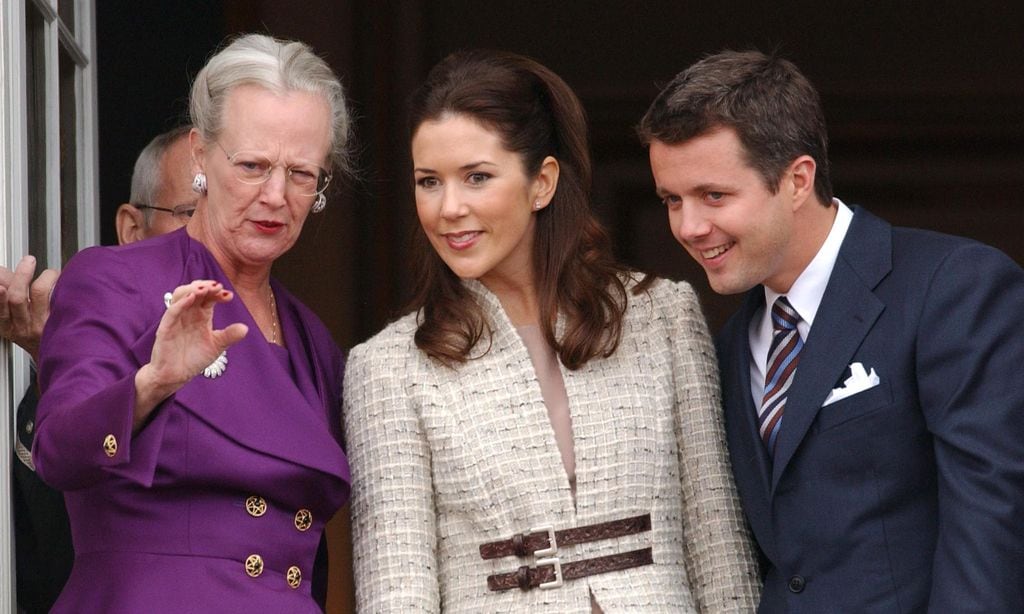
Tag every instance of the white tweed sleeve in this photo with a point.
(720, 558)
(394, 524)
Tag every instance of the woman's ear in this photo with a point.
(196, 148)
(545, 184)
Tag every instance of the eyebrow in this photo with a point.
(711, 187)
(464, 167)
(703, 187)
(267, 153)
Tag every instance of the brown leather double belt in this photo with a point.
(543, 543)
(532, 577)
(540, 540)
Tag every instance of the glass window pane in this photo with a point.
(68, 157)
(35, 92)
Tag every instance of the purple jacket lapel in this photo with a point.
(255, 402)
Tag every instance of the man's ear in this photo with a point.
(800, 180)
(130, 223)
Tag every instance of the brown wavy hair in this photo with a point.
(536, 114)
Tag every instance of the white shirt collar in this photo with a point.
(805, 296)
(809, 288)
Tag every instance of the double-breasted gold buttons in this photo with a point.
(303, 519)
(254, 565)
(294, 576)
(256, 506)
(110, 445)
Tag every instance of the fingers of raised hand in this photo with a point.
(15, 319)
(231, 335)
(6, 276)
(42, 287)
(203, 292)
(18, 283)
(23, 273)
(5, 314)
(5, 309)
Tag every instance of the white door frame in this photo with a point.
(78, 41)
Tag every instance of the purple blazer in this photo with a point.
(225, 469)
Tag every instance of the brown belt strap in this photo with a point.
(526, 544)
(552, 574)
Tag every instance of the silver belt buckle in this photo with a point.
(558, 572)
(552, 548)
(548, 556)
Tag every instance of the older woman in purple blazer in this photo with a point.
(189, 407)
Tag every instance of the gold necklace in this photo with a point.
(273, 316)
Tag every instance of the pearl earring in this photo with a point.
(199, 183)
(319, 203)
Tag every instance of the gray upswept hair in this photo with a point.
(279, 66)
(146, 176)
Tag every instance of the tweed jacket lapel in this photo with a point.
(503, 442)
(847, 313)
(527, 483)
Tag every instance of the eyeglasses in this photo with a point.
(181, 212)
(253, 168)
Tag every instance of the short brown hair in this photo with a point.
(766, 100)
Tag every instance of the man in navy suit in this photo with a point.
(881, 467)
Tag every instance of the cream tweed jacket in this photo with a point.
(445, 459)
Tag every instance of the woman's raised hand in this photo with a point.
(186, 343)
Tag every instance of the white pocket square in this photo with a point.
(859, 381)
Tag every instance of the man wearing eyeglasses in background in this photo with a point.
(162, 200)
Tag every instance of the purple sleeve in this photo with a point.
(99, 333)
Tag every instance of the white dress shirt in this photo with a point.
(805, 296)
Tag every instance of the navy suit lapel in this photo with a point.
(847, 312)
(750, 462)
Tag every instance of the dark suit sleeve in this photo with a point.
(970, 352)
(42, 537)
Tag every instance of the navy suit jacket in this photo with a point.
(908, 496)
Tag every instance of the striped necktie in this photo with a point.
(783, 357)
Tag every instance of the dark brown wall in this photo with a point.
(147, 53)
(925, 105)
(924, 101)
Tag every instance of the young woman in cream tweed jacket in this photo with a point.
(444, 460)
(447, 456)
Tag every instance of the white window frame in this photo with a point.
(79, 41)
